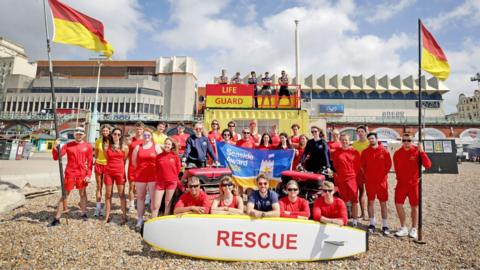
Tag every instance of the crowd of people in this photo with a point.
(156, 160)
(263, 88)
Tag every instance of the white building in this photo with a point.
(468, 108)
(13, 60)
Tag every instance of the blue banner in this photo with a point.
(331, 108)
(247, 163)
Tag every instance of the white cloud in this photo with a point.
(385, 11)
(468, 12)
(23, 23)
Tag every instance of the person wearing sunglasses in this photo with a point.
(100, 164)
(194, 200)
(263, 202)
(235, 136)
(137, 139)
(227, 137)
(346, 162)
(214, 133)
(246, 140)
(375, 164)
(293, 206)
(317, 152)
(77, 171)
(405, 162)
(197, 149)
(328, 208)
(143, 159)
(228, 202)
(116, 153)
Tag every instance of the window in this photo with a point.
(127, 107)
(361, 95)
(373, 95)
(115, 107)
(348, 95)
(386, 95)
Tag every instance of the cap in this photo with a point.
(80, 130)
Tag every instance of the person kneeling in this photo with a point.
(194, 200)
(293, 206)
(228, 202)
(329, 209)
(263, 202)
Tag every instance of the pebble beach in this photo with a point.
(451, 221)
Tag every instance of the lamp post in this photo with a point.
(93, 125)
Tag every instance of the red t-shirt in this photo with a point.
(246, 143)
(337, 209)
(263, 147)
(298, 157)
(406, 165)
(346, 162)
(295, 141)
(275, 140)
(181, 140)
(332, 146)
(188, 200)
(376, 163)
(236, 137)
(79, 158)
(145, 170)
(213, 134)
(115, 162)
(132, 146)
(298, 208)
(167, 166)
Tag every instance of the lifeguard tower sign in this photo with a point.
(229, 96)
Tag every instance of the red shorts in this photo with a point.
(77, 182)
(166, 185)
(347, 189)
(99, 168)
(377, 190)
(118, 179)
(403, 191)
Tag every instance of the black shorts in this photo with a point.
(284, 91)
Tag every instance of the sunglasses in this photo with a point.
(147, 135)
(263, 183)
(328, 190)
(246, 132)
(408, 140)
(314, 131)
(226, 134)
(214, 124)
(231, 126)
(292, 189)
(227, 184)
(116, 134)
(193, 186)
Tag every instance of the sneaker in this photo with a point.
(413, 233)
(54, 223)
(371, 229)
(402, 232)
(97, 212)
(385, 231)
(139, 225)
(84, 216)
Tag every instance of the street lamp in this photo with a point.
(93, 125)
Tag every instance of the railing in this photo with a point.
(390, 120)
(120, 117)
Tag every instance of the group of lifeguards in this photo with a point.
(154, 166)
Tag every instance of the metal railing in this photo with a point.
(397, 120)
(5, 116)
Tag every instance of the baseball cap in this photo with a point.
(79, 130)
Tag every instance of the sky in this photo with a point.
(342, 37)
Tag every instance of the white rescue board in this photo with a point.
(242, 238)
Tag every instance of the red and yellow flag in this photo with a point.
(73, 27)
(434, 60)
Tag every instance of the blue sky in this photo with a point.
(337, 37)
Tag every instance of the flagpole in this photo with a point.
(54, 104)
(420, 216)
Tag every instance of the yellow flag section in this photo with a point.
(75, 28)
(434, 60)
(242, 238)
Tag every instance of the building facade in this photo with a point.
(163, 87)
(468, 108)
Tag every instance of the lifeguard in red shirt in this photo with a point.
(405, 161)
(194, 200)
(181, 138)
(136, 140)
(246, 140)
(168, 167)
(292, 206)
(235, 136)
(116, 153)
(346, 162)
(228, 203)
(375, 164)
(295, 138)
(265, 142)
(329, 209)
(300, 149)
(335, 143)
(227, 137)
(77, 173)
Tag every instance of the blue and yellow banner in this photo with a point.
(247, 163)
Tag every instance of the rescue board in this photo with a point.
(242, 238)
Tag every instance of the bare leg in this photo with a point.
(383, 208)
(401, 214)
(370, 209)
(62, 204)
(151, 191)
(361, 200)
(123, 202)
(98, 193)
(168, 200)
(157, 202)
(414, 216)
(141, 192)
(108, 201)
(354, 210)
(83, 200)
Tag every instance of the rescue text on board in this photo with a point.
(229, 100)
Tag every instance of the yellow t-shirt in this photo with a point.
(360, 146)
(101, 159)
(159, 138)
